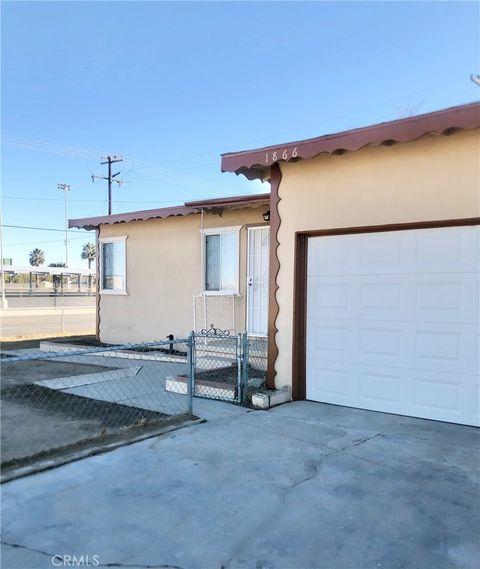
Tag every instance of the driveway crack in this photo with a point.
(306, 479)
(113, 564)
(360, 442)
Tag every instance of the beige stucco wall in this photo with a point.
(433, 178)
(163, 273)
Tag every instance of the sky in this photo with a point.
(170, 86)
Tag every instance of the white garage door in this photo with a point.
(393, 322)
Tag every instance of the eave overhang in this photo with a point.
(256, 164)
(214, 205)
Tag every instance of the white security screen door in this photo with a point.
(393, 322)
(257, 280)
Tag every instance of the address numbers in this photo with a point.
(280, 155)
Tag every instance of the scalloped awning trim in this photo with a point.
(189, 208)
(256, 163)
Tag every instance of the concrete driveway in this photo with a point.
(304, 486)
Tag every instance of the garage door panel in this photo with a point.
(447, 298)
(331, 294)
(397, 252)
(446, 397)
(431, 394)
(333, 381)
(452, 247)
(329, 337)
(424, 346)
(375, 340)
(402, 342)
(430, 298)
(382, 387)
(351, 341)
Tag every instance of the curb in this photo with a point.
(55, 462)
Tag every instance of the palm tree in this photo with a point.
(88, 253)
(37, 258)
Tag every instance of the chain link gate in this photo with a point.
(219, 370)
(221, 366)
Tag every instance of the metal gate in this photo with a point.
(220, 368)
(227, 367)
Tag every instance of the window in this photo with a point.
(221, 248)
(113, 265)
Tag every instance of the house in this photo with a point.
(374, 295)
(171, 270)
(369, 293)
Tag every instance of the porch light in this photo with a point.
(266, 216)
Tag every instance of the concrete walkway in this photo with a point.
(304, 486)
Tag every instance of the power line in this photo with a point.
(40, 228)
(159, 171)
(92, 153)
(46, 241)
(35, 198)
(26, 143)
(78, 152)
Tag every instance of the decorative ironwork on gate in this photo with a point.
(228, 367)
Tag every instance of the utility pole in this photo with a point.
(475, 79)
(110, 178)
(65, 188)
(4, 300)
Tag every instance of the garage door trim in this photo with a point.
(300, 284)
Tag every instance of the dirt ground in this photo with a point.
(37, 420)
(35, 370)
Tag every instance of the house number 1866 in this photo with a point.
(276, 155)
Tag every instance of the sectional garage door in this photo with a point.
(393, 322)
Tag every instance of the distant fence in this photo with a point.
(55, 286)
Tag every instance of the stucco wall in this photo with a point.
(433, 178)
(163, 273)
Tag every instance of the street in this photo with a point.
(32, 323)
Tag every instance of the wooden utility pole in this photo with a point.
(475, 79)
(109, 160)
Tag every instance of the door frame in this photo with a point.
(299, 343)
(254, 226)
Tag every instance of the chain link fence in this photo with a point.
(64, 400)
(57, 402)
(257, 364)
(225, 367)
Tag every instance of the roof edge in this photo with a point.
(189, 208)
(233, 200)
(253, 163)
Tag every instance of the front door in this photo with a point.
(257, 280)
